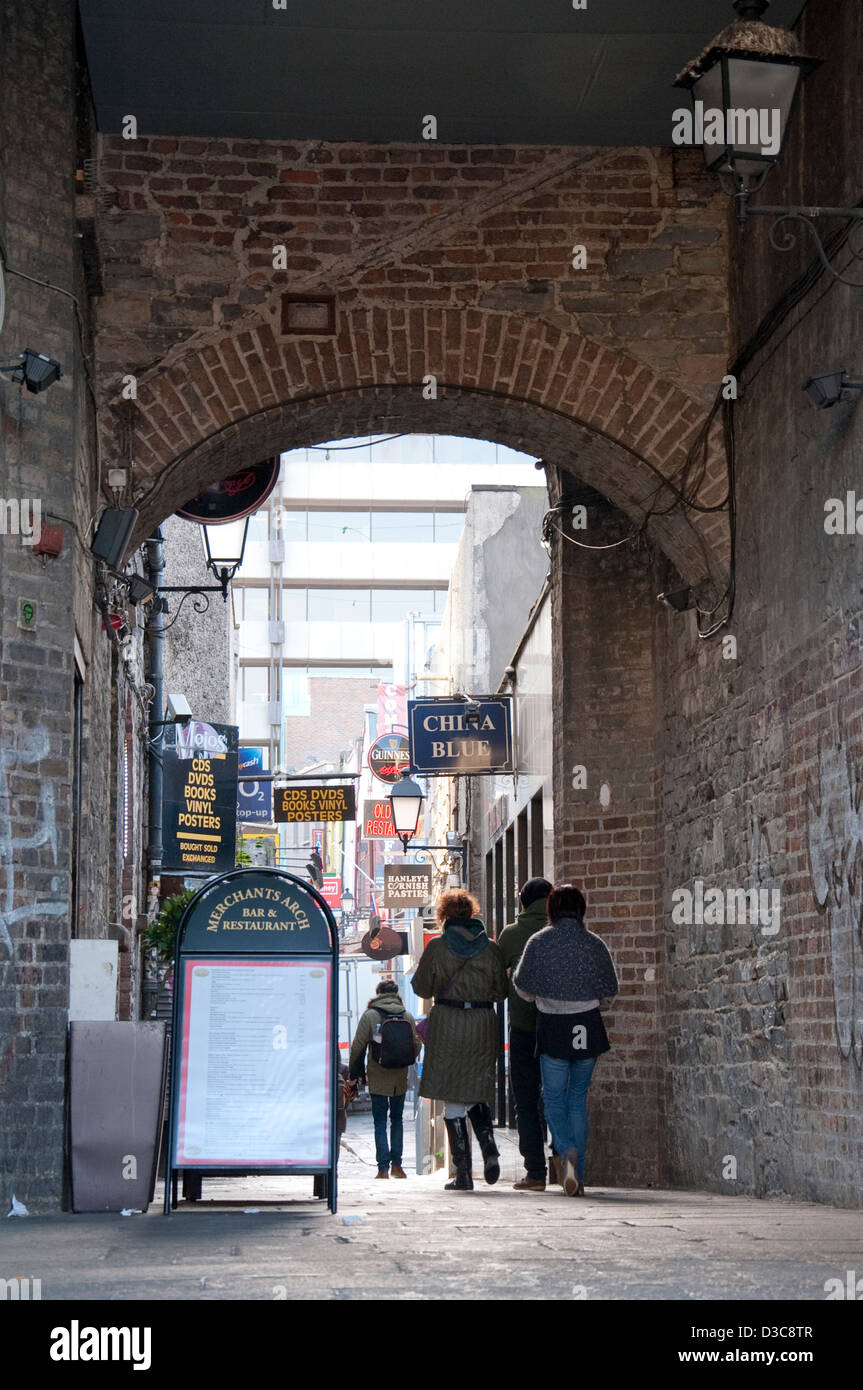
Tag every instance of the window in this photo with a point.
(413, 527)
(448, 527)
(296, 702)
(253, 605)
(294, 526)
(343, 527)
(259, 526)
(391, 605)
(294, 603)
(254, 684)
(339, 605)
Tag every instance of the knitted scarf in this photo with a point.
(566, 961)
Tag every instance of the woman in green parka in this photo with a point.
(463, 971)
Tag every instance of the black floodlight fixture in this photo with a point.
(406, 799)
(472, 712)
(139, 590)
(677, 599)
(36, 371)
(116, 525)
(743, 87)
(826, 390)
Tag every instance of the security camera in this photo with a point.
(178, 709)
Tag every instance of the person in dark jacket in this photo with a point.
(524, 1071)
(463, 971)
(387, 1085)
(568, 971)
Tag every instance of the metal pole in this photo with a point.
(155, 644)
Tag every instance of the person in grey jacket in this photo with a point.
(387, 1085)
(568, 971)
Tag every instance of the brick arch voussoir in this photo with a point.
(603, 416)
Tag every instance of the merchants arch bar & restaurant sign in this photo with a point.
(255, 1038)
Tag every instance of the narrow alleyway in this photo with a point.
(412, 1240)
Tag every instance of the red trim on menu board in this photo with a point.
(183, 1160)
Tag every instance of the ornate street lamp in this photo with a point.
(744, 87)
(406, 799)
(224, 547)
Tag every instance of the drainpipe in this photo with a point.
(155, 645)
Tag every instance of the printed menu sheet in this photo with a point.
(256, 1064)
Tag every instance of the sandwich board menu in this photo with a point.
(254, 1073)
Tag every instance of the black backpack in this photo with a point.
(396, 1048)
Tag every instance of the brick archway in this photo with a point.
(602, 416)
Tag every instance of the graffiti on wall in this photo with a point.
(34, 747)
(835, 843)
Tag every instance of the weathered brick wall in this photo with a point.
(36, 671)
(47, 453)
(335, 720)
(450, 261)
(606, 831)
(762, 755)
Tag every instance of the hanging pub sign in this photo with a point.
(199, 798)
(377, 822)
(407, 885)
(384, 943)
(254, 799)
(452, 736)
(314, 805)
(253, 1086)
(389, 756)
(331, 891)
(234, 497)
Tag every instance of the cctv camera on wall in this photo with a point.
(178, 709)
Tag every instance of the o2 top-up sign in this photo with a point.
(451, 736)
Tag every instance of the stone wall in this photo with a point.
(606, 805)
(449, 262)
(47, 454)
(762, 752)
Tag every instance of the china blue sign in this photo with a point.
(254, 799)
(454, 736)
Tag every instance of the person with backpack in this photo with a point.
(388, 1032)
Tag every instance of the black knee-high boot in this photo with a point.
(459, 1143)
(483, 1127)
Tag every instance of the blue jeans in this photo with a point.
(564, 1094)
(387, 1153)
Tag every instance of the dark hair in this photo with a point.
(565, 901)
(387, 987)
(533, 890)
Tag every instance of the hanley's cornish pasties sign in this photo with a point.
(407, 885)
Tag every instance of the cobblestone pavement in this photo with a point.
(412, 1240)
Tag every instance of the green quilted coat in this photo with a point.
(461, 1044)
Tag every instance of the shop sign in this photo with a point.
(389, 757)
(314, 805)
(448, 737)
(407, 885)
(199, 799)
